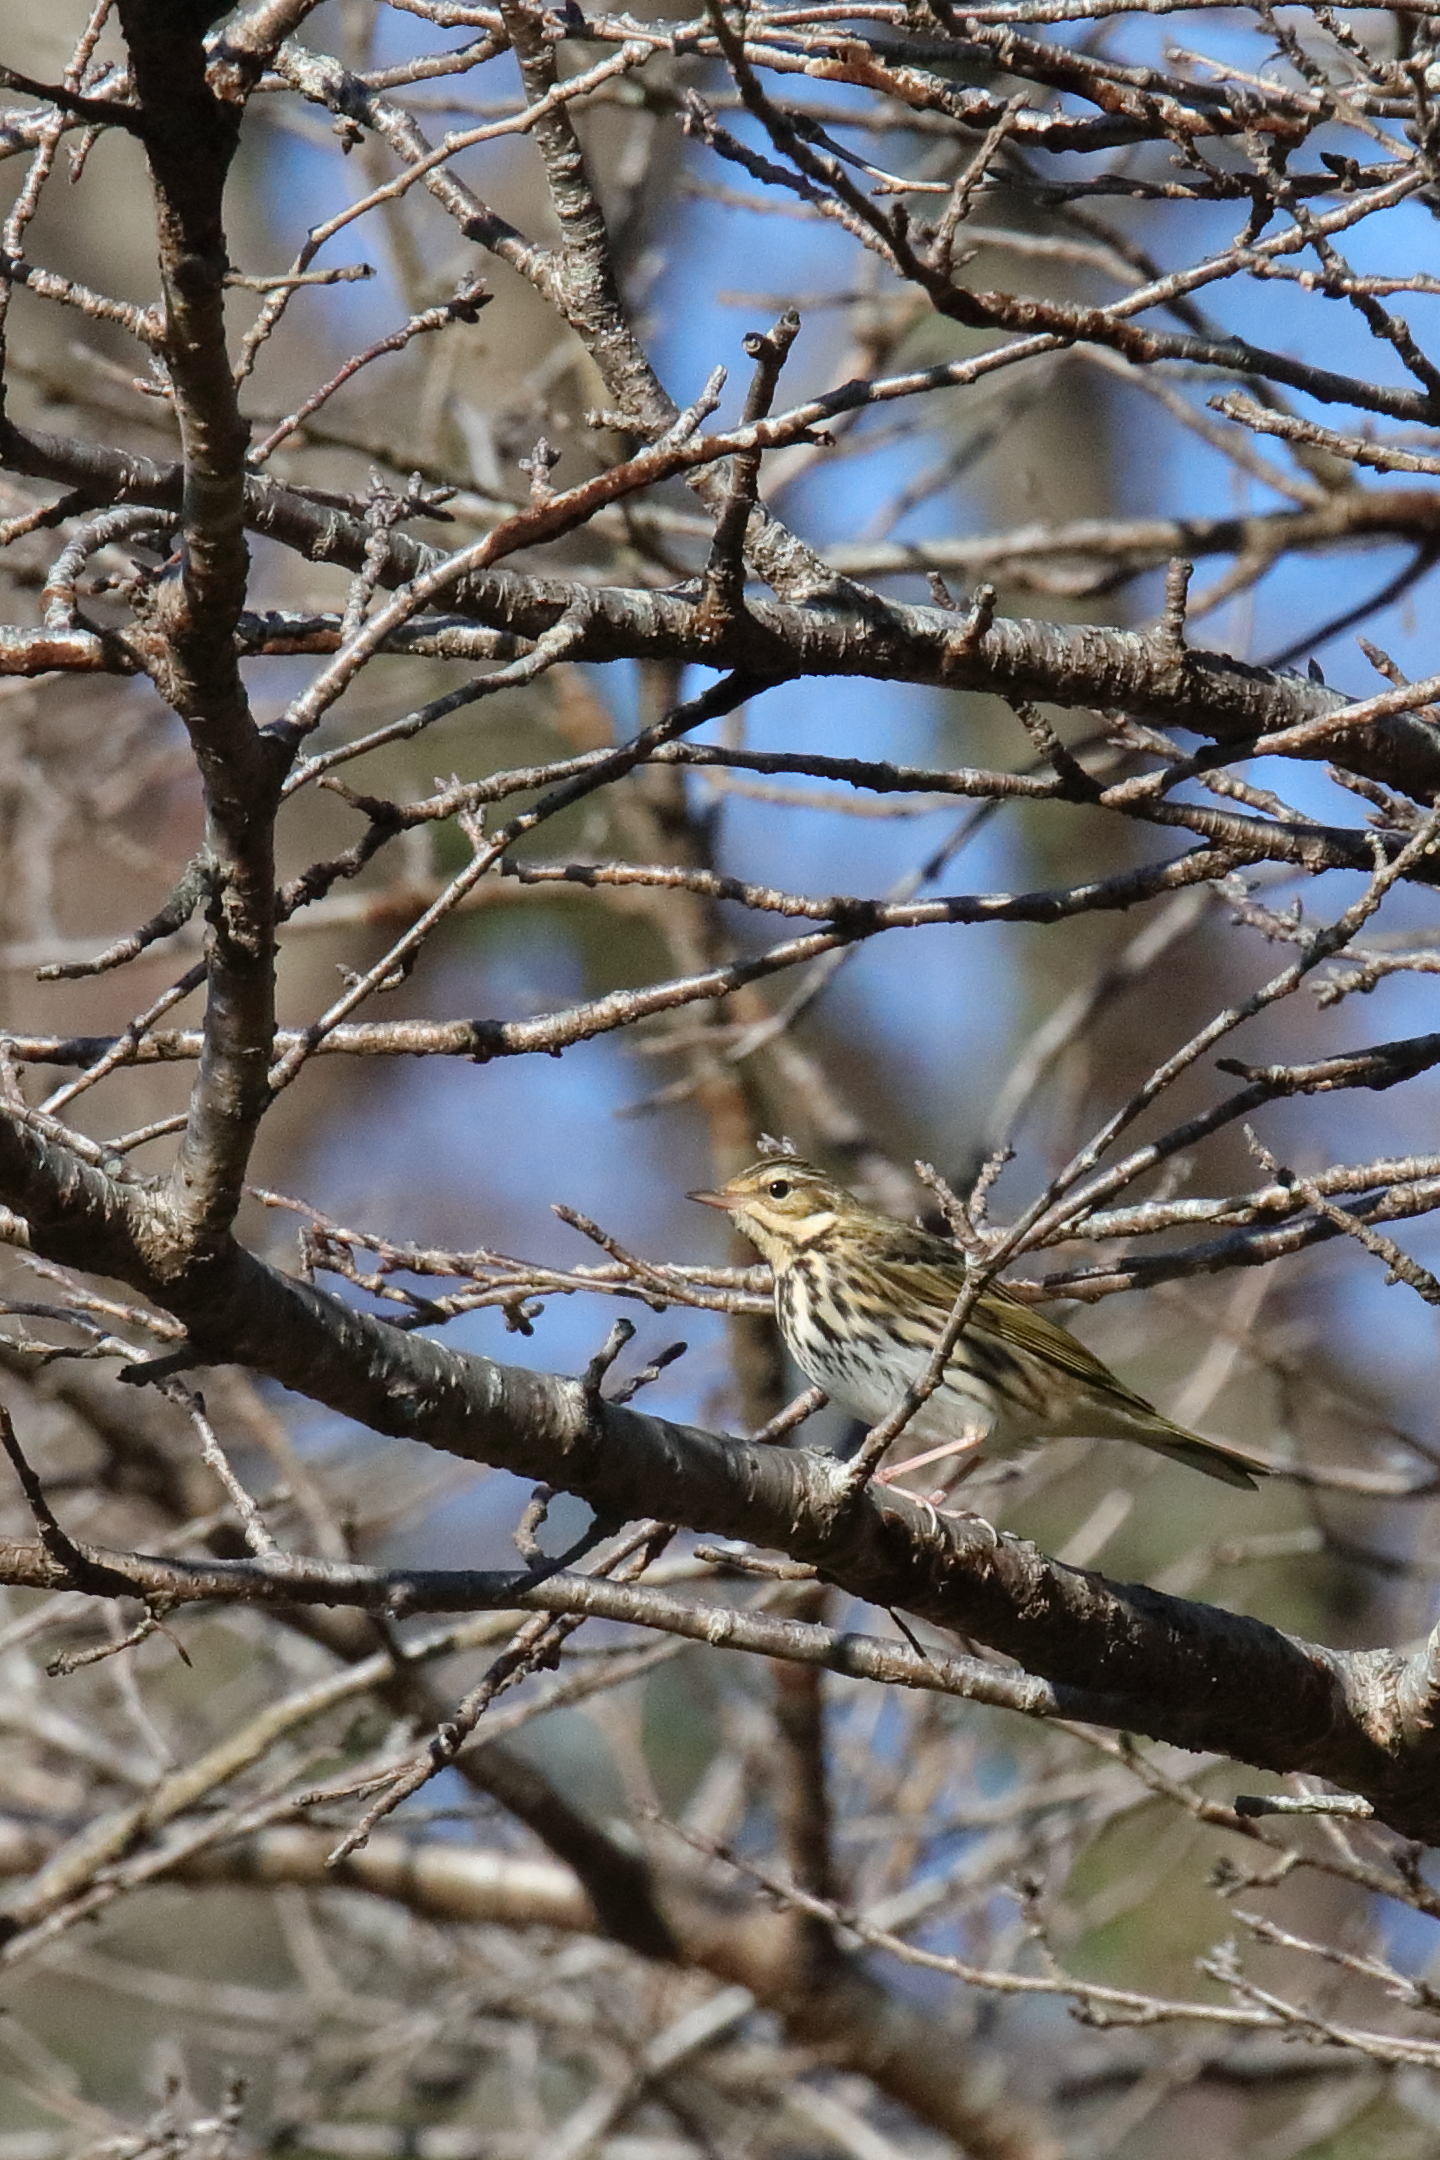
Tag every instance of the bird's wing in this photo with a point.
(932, 1273)
(1023, 1328)
(926, 1277)
(1012, 1346)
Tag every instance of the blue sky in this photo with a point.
(938, 1006)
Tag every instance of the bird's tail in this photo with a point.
(1226, 1464)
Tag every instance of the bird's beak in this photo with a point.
(711, 1199)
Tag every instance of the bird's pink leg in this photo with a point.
(972, 1440)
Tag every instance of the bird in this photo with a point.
(861, 1300)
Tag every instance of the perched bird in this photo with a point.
(861, 1300)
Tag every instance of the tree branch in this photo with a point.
(186, 635)
(1187, 1673)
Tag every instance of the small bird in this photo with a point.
(861, 1300)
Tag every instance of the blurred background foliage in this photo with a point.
(363, 2027)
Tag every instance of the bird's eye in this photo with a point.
(779, 1189)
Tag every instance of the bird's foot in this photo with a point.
(963, 1514)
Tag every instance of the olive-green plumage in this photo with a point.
(861, 1300)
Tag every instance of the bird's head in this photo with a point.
(782, 1204)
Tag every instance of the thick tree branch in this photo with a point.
(1188, 1673)
(187, 631)
(1063, 664)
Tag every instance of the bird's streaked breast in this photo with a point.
(864, 1348)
